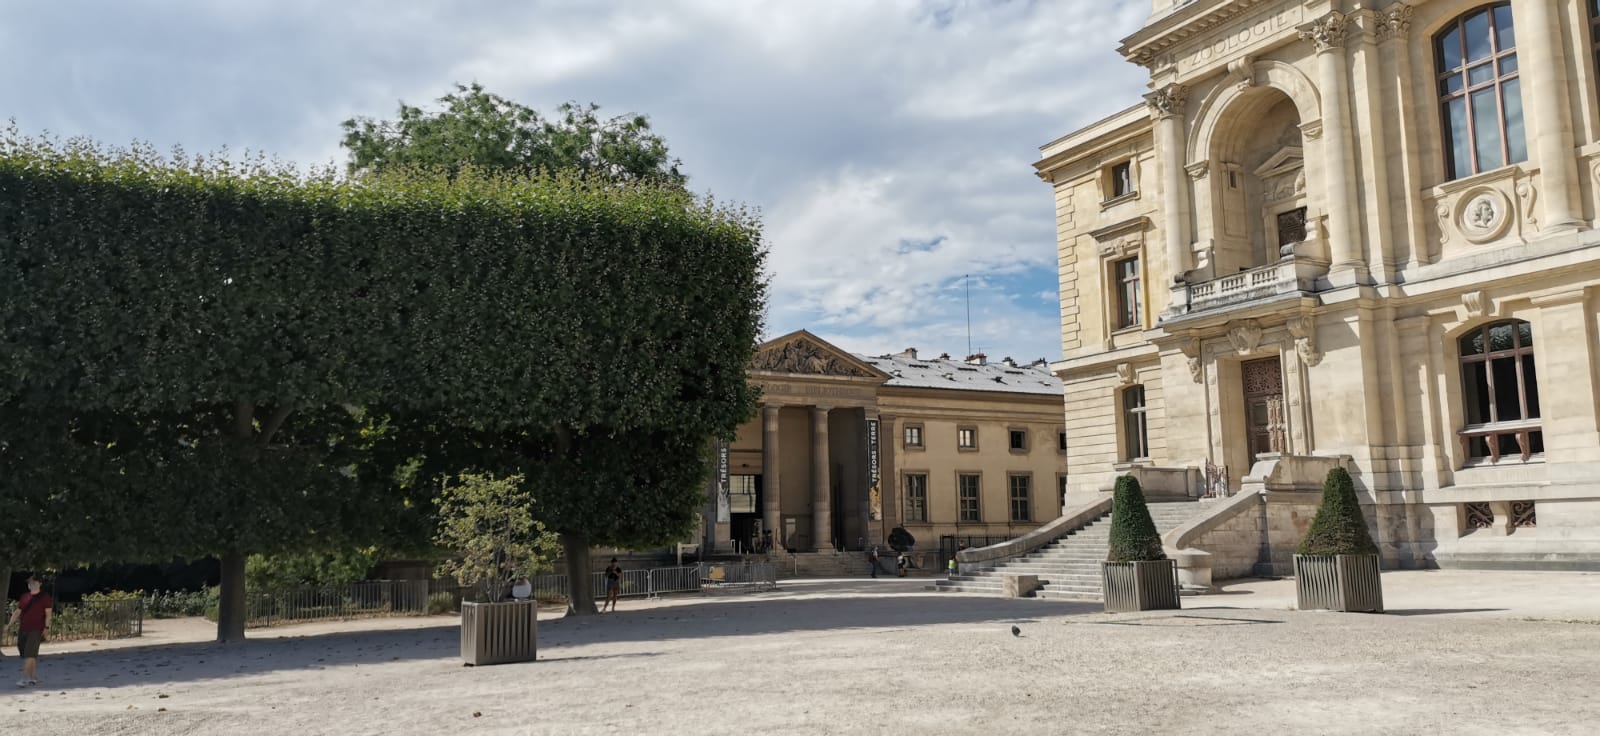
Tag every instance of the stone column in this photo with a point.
(1541, 50)
(1166, 106)
(1564, 352)
(888, 476)
(821, 488)
(771, 461)
(1328, 34)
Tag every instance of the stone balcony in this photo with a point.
(1288, 276)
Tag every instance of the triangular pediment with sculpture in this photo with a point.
(802, 353)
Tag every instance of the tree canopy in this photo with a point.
(207, 356)
(482, 129)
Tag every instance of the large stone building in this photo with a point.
(1345, 232)
(856, 445)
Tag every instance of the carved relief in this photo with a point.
(1125, 375)
(1483, 214)
(1528, 195)
(1245, 336)
(1327, 32)
(1443, 213)
(1167, 101)
(1304, 331)
(1191, 350)
(1394, 21)
(1198, 170)
(1477, 303)
(804, 357)
(1241, 72)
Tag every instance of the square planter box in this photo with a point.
(497, 633)
(1150, 585)
(1338, 583)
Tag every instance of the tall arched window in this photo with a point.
(1500, 389)
(1480, 93)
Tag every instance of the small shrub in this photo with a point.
(1133, 533)
(1339, 528)
(179, 603)
(441, 603)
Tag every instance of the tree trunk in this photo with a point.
(230, 609)
(580, 578)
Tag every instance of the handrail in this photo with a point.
(1069, 521)
(1183, 536)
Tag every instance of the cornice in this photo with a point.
(1180, 25)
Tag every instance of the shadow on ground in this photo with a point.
(845, 608)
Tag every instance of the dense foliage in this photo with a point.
(203, 356)
(487, 524)
(1338, 528)
(1133, 533)
(295, 569)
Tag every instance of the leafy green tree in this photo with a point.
(288, 570)
(487, 525)
(205, 356)
(482, 129)
(1133, 533)
(1338, 528)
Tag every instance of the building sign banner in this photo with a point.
(724, 499)
(874, 492)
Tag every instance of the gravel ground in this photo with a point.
(877, 657)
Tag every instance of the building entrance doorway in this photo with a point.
(744, 507)
(1262, 381)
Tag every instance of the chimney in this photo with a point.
(944, 356)
(1009, 362)
(977, 359)
(909, 354)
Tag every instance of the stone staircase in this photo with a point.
(1070, 566)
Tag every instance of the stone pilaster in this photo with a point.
(1540, 49)
(1166, 106)
(1328, 34)
(771, 462)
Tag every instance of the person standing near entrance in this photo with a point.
(33, 613)
(766, 541)
(613, 585)
(872, 559)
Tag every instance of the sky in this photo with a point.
(888, 144)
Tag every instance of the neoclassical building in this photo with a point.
(847, 447)
(1341, 232)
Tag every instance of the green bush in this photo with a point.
(272, 572)
(1133, 533)
(1339, 528)
(178, 603)
(441, 603)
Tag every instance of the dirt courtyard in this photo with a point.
(1460, 653)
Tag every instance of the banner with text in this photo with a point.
(724, 499)
(874, 492)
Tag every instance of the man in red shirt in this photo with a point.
(33, 612)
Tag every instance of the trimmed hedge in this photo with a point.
(1133, 533)
(1338, 528)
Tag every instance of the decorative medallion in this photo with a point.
(804, 357)
(1483, 214)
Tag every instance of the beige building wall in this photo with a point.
(1262, 115)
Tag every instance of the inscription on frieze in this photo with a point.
(1234, 41)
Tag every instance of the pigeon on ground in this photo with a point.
(1016, 631)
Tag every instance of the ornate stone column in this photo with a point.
(1328, 34)
(1540, 48)
(771, 462)
(821, 488)
(1166, 106)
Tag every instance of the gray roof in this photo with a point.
(956, 374)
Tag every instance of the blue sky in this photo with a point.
(888, 143)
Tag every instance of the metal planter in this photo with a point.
(1338, 583)
(1149, 585)
(498, 633)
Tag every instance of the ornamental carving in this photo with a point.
(1529, 196)
(1478, 304)
(1245, 336)
(1479, 516)
(804, 357)
(1304, 331)
(1483, 214)
(1191, 351)
(1125, 375)
(1167, 101)
(1394, 21)
(1327, 32)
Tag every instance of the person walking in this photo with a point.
(613, 585)
(900, 564)
(873, 559)
(33, 614)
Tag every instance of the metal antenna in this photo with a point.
(968, 278)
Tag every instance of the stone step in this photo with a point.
(1067, 596)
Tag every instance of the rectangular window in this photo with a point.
(742, 493)
(917, 497)
(1122, 179)
(1061, 440)
(1061, 491)
(967, 491)
(1291, 226)
(913, 435)
(967, 438)
(1021, 498)
(1129, 309)
(1019, 440)
(1135, 435)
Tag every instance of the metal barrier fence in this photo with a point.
(757, 575)
(320, 603)
(118, 619)
(635, 583)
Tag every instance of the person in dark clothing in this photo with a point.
(613, 585)
(872, 557)
(33, 616)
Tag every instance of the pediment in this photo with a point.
(805, 354)
(1287, 159)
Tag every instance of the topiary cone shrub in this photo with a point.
(1338, 528)
(1133, 533)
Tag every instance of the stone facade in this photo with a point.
(1349, 229)
(806, 463)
